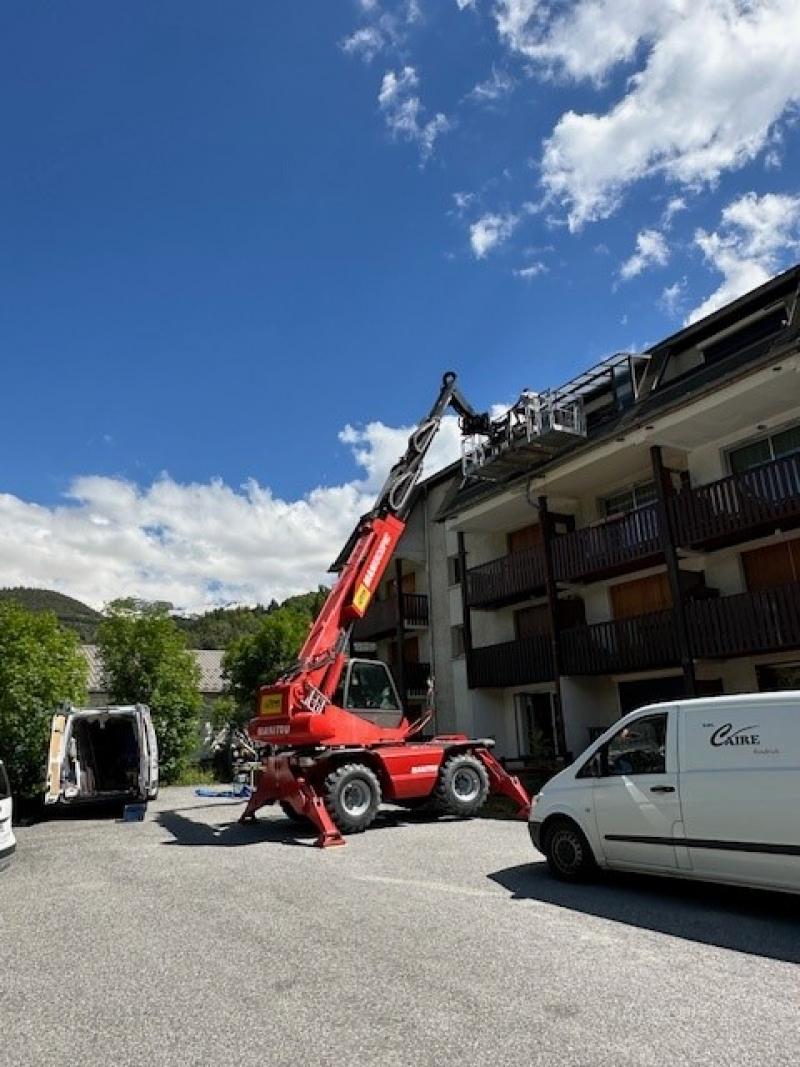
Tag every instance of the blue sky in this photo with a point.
(230, 231)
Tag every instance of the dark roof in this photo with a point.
(655, 398)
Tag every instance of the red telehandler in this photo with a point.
(338, 742)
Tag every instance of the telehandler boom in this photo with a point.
(338, 742)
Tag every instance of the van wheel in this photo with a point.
(352, 796)
(462, 787)
(568, 853)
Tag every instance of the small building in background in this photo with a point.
(209, 660)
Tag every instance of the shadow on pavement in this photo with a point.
(232, 834)
(743, 920)
(186, 831)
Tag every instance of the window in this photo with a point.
(5, 788)
(638, 496)
(457, 641)
(454, 570)
(638, 748)
(370, 686)
(775, 446)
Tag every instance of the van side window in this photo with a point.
(638, 748)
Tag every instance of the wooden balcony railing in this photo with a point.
(511, 663)
(745, 624)
(739, 506)
(382, 616)
(625, 543)
(645, 642)
(502, 581)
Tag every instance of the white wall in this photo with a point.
(587, 702)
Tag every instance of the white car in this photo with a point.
(706, 789)
(7, 841)
(102, 754)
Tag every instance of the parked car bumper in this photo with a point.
(6, 852)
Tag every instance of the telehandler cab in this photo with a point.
(337, 739)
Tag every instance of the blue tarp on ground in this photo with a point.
(239, 792)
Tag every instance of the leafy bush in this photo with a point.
(41, 666)
(146, 661)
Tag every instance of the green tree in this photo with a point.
(41, 666)
(258, 659)
(146, 661)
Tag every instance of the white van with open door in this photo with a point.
(99, 754)
(706, 788)
(7, 840)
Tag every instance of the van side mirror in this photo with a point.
(596, 765)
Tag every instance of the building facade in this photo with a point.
(644, 544)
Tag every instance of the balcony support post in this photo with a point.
(465, 609)
(664, 488)
(400, 632)
(546, 520)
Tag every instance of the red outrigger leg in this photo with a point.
(506, 784)
(277, 781)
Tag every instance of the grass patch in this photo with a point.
(193, 775)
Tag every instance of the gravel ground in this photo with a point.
(190, 940)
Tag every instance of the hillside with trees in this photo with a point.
(218, 628)
(72, 614)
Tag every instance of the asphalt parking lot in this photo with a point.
(190, 940)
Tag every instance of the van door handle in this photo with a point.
(662, 788)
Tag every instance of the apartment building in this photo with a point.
(640, 541)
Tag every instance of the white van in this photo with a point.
(7, 841)
(705, 789)
(102, 754)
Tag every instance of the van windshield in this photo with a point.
(5, 787)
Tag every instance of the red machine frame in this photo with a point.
(308, 735)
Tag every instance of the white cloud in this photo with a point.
(755, 238)
(400, 103)
(490, 231)
(651, 251)
(533, 270)
(384, 30)
(689, 112)
(463, 201)
(366, 42)
(197, 545)
(673, 296)
(494, 88)
(675, 205)
(464, 4)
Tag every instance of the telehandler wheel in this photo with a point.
(463, 786)
(352, 796)
(290, 813)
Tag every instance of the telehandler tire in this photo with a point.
(463, 786)
(352, 796)
(290, 813)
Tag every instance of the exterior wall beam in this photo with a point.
(551, 590)
(664, 489)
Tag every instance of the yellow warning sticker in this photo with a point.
(271, 704)
(362, 598)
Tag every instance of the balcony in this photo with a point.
(644, 642)
(382, 617)
(745, 624)
(511, 663)
(629, 542)
(739, 507)
(517, 576)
